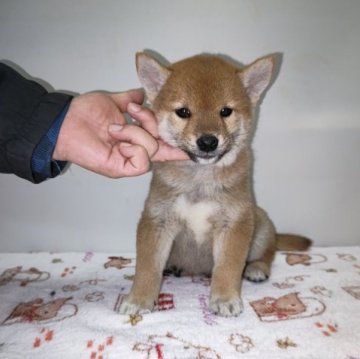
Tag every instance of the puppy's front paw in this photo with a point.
(227, 308)
(130, 306)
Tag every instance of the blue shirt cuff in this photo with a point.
(42, 164)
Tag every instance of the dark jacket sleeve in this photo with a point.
(27, 111)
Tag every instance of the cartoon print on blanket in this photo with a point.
(327, 329)
(117, 262)
(285, 343)
(96, 296)
(165, 301)
(24, 276)
(83, 284)
(205, 281)
(357, 266)
(170, 347)
(242, 343)
(290, 282)
(39, 310)
(322, 291)
(289, 306)
(304, 259)
(68, 271)
(44, 336)
(99, 349)
(353, 291)
(208, 316)
(346, 257)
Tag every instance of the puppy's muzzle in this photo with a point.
(207, 143)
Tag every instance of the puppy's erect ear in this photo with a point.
(256, 77)
(151, 74)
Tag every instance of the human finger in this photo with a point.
(136, 160)
(135, 135)
(168, 153)
(122, 99)
(145, 117)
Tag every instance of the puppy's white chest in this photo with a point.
(196, 215)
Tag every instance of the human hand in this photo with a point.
(147, 122)
(95, 136)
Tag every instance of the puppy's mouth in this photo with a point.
(207, 149)
(205, 158)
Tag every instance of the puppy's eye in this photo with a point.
(183, 112)
(226, 112)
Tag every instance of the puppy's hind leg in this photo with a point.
(262, 250)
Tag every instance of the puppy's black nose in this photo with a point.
(207, 143)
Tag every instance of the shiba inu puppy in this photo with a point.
(201, 216)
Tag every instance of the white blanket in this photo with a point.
(64, 305)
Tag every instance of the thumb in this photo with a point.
(122, 99)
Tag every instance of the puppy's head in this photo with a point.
(204, 104)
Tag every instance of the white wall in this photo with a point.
(307, 171)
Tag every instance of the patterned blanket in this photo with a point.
(65, 305)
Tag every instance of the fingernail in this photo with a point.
(115, 128)
(134, 107)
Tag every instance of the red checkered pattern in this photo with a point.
(165, 301)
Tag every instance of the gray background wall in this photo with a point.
(307, 172)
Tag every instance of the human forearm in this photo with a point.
(27, 111)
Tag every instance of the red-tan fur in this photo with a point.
(201, 216)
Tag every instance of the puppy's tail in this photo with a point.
(292, 242)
